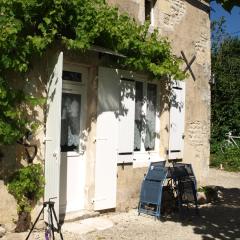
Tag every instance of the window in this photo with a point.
(73, 108)
(138, 120)
(70, 122)
(72, 76)
(145, 116)
(149, 11)
(138, 116)
(151, 117)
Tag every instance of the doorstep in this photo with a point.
(78, 215)
(87, 225)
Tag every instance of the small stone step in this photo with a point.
(78, 215)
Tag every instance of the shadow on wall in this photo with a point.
(127, 91)
(32, 83)
(36, 86)
(200, 5)
(220, 220)
(8, 163)
(134, 91)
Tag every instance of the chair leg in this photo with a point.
(179, 196)
(196, 203)
(139, 204)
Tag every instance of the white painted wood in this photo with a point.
(72, 183)
(53, 127)
(106, 139)
(177, 118)
(126, 117)
(142, 158)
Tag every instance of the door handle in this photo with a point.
(45, 139)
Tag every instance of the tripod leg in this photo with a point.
(35, 222)
(58, 225)
(51, 223)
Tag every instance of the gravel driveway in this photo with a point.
(216, 221)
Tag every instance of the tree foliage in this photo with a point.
(29, 27)
(225, 97)
(218, 34)
(225, 92)
(227, 4)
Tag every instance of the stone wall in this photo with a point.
(8, 206)
(129, 181)
(186, 24)
(190, 32)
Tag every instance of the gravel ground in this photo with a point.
(220, 220)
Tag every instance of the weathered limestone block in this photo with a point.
(172, 12)
(2, 231)
(8, 206)
(197, 133)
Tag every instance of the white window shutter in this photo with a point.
(126, 120)
(177, 120)
(106, 139)
(52, 139)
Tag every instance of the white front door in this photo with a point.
(73, 110)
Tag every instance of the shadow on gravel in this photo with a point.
(219, 220)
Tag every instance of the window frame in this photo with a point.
(151, 13)
(143, 157)
(144, 111)
(78, 88)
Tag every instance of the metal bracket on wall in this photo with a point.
(189, 64)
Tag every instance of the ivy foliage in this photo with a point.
(27, 186)
(29, 27)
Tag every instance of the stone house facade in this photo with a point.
(186, 23)
(103, 165)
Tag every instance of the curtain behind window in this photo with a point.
(149, 142)
(138, 116)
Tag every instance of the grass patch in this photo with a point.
(230, 159)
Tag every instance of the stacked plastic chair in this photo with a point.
(189, 170)
(151, 190)
(185, 184)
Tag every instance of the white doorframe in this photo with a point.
(73, 162)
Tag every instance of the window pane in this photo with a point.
(138, 116)
(148, 8)
(72, 76)
(151, 117)
(70, 122)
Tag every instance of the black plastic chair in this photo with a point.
(151, 191)
(189, 170)
(185, 184)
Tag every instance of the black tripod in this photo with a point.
(51, 214)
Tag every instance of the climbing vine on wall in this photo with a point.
(29, 27)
